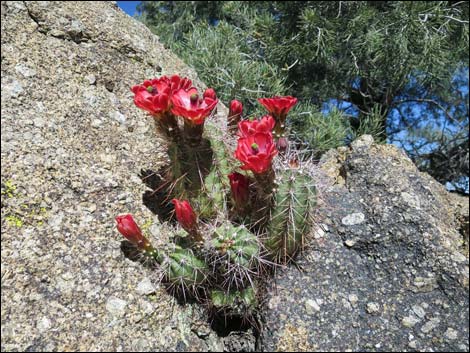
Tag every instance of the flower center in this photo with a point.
(255, 147)
(151, 89)
(194, 98)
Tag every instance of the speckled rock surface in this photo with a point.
(72, 146)
(387, 272)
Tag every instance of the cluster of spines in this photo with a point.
(290, 214)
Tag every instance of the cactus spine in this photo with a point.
(183, 268)
(237, 255)
(290, 214)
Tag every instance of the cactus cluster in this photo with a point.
(234, 221)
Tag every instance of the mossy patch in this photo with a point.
(14, 221)
(9, 189)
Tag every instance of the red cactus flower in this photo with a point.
(186, 103)
(185, 215)
(131, 231)
(176, 82)
(278, 106)
(235, 113)
(247, 127)
(153, 96)
(240, 187)
(256, 151)
(210, 93)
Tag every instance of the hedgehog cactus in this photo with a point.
(237, 255)
(289, 220)
(220, 209)
(183, 269)
(241, 303)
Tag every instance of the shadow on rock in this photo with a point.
(156, 199)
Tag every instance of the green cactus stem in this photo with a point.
(213, 196)
(192, 133)
(238, 255)
(235, 302)
(168, 124)
(290, 218)
(183, 268)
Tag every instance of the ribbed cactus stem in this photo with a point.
(153, 253)
(192, 133)
(265, 181)
(168, 124)
(290, 214)
(235, 302)
(184, 268)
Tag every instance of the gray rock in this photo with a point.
(419, 311)
(451, 334)
(364, 141)
(353, 219)
(96, 123)
(116, 306)
(400, 259)
(410, 321)
(353, 299)
(430, 325)
(25, 70)
(12, 89)
(44, 324)
(311, 306)
(121, 118)
(63, 271)
(39, 122)
(145, 287)
(91, 79)
(372, 308)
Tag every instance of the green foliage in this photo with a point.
(318, 131)
(221, 57)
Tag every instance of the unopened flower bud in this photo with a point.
(209, 93)
(185, 215)
(131, 231)
(282, 144)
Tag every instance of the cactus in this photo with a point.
(182, 268)
(212, 198)
(240, 303)
(237, 255)
(218, 253)
(289, 220)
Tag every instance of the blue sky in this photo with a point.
(128, 6)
